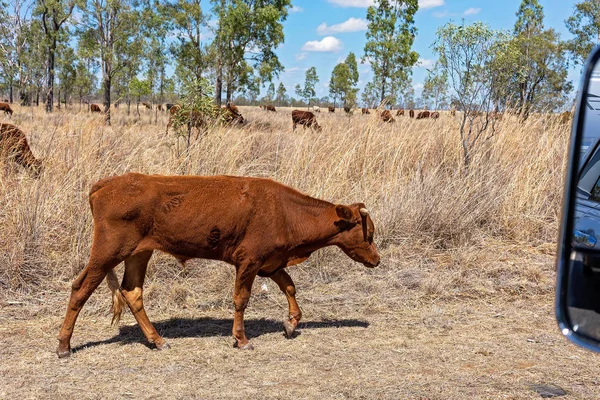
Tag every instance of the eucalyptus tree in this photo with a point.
(248, 31)
(15, 39)
(189, 24)
(390, 35)
(584, 25)
(531, 67)
(465, 53)
(53, 14)
(109, 31)
(310, 82)
(280, 94)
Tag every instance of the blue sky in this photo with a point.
(321, 33)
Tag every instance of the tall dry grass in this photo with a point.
(410, 174)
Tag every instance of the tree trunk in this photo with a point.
(229, 90)
(50, 100)
(106, 85)
(219, 85)
(10, 92)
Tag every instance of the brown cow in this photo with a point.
(95, 108)
(331, 109)
(347, 110)
(565, 117)
(270, 107)
(160, 107)
(386, 116)
(258, 225)
(305, 118)
(14, 146)
(497, 115)
(423, 114)
(411, 113)
(6, 108)
(232, 114)
(435, 115)
(400, 113)
(365, 111)
(147, 105)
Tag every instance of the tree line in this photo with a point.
(60, 51)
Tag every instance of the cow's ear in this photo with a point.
(344, 212)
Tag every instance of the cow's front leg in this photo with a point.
(244, 278)
(286, 284)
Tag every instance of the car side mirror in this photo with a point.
(578, 255)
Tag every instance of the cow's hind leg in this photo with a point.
(132, 290)
(286, 284)
(81, 289)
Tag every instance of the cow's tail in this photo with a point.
(118, 301)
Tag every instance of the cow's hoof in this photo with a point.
(247, 346)
(289, 328)
(163, 346)
(63, 353)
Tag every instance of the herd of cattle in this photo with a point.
(13, 143)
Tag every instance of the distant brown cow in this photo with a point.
(160, 107)
(496, 115)
(435, 115)
(305, 118)
(14, 146)
(331, 109)
(95, 108)
(365, 111)
(169, 105)
(147, 105)
(400, 113)
(232, 114)
(423, 114)
(6, 108)
(258, 225)
(565, 117)
(386, 116)
(270, 107)
(347, 110)
(411, 113)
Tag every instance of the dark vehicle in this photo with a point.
(578, 256)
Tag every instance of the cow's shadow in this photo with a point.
(206, 327)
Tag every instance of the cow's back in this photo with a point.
(189, 216)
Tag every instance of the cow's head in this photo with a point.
(356, 234)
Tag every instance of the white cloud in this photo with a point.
(296, 9)
(351, 25)
(327, 44)
(424, 63)
(444, 14)
(418, 86)
(300, 56)
(425, 4)
(353, 3)
(472, 11)
(291, 70)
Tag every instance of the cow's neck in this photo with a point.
(311, 223)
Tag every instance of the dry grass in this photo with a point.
(461, 306)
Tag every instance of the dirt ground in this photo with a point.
(363, 336)
(461, 306)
